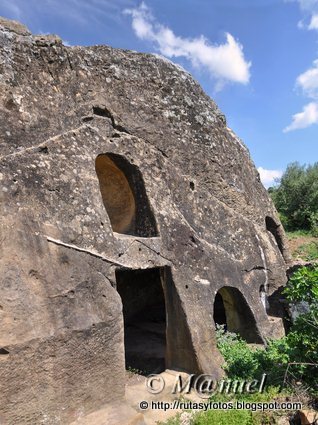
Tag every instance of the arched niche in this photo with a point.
(232, 310)
(124, 196)
(275, 230)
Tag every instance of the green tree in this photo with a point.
(296, 197)
(302, 339)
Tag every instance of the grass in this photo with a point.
(303, 245)
(308, 251)
(244, 417)
(133, 371)
(223, 417)
(235, 417)
(297, 233)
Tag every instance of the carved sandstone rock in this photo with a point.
(127, 207)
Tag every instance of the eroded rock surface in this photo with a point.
(171, 177)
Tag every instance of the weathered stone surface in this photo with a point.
(193, 185)
(307, 417)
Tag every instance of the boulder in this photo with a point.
(132, 220)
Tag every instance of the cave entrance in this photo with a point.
(275, 230)
(232, 310)
(144, 313)
(219, 315)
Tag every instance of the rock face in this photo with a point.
(132, 220)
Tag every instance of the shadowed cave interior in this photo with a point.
(144, 313)
(232, 311)
(275, 230)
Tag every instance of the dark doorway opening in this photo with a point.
(219, 315)
(144, 313)
(275, 230)
(232, 310)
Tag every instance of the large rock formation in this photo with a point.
(124, 195)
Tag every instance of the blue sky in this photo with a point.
(255, 58)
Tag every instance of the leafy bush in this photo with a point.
(313, 219)
(296, 197)
(303, 286)
(243, 361)
(303, 336)
(240, 359)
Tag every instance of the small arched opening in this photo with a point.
(232, 310)
(275, 230)
(124, 196)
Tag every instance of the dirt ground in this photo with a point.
(303, 247)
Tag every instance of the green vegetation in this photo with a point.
(303, 336)
(133, 371)
(298, 233)
(308, 251)
(296, 198)
(245, 417)
(234, 416)
(243, 361)
(303, 245)
(221, 417)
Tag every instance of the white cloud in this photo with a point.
(224, 62)
(313, 22)
(308, 5)
(269, 177)
(304, 119)
(308, 81)
(310, 10)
